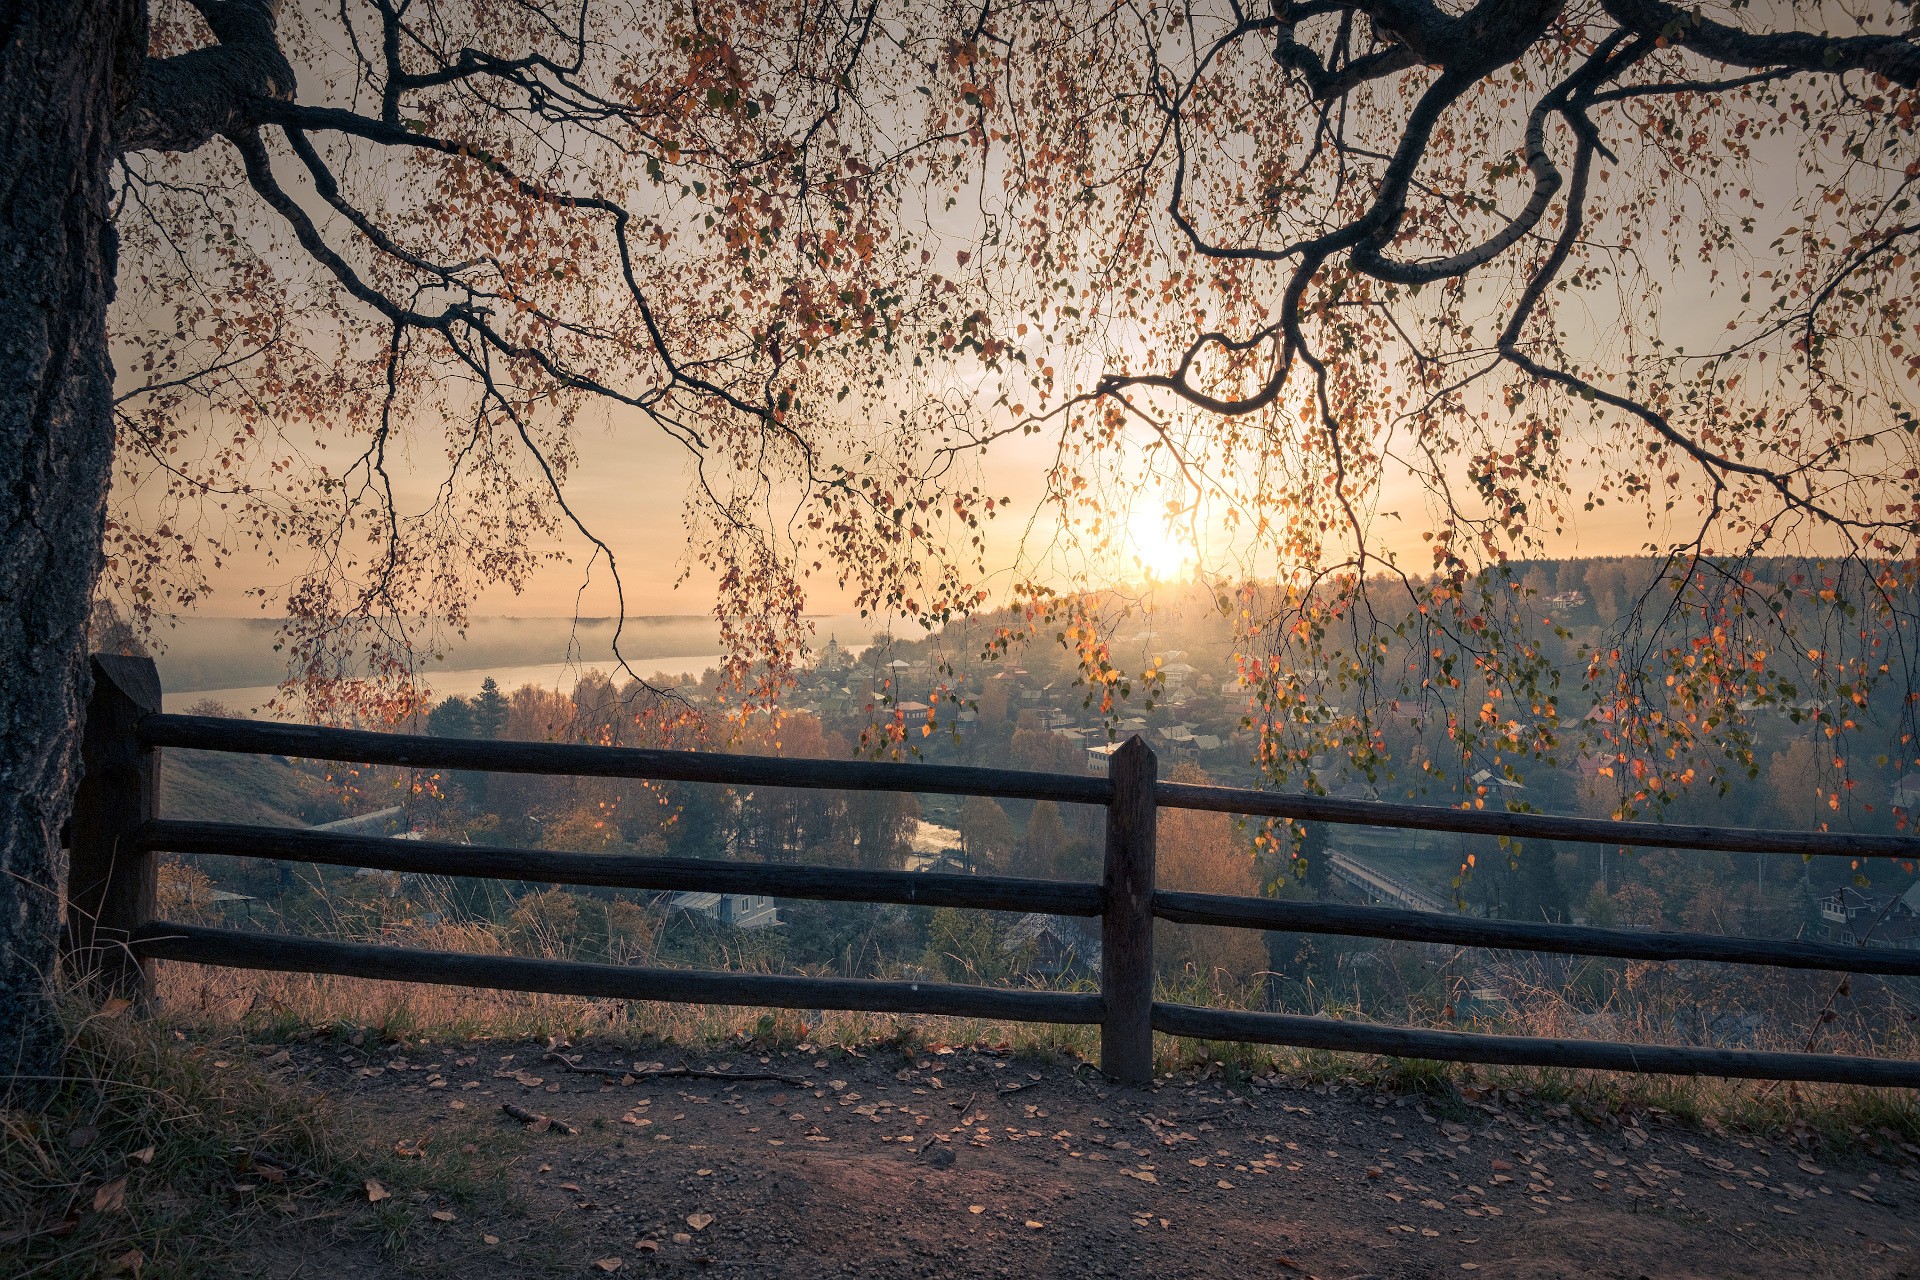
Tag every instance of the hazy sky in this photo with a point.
(630, 482)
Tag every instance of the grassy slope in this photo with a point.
(208, 786)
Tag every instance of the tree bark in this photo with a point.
(63, 65)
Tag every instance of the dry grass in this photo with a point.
(269, 1006)
(159, 1154)
(169, 1139)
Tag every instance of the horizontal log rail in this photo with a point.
(164, 940)
(1531, 826)
(1520, 935)
(624, 870)
(313, 742)
(117, 831)
(1303, 1032)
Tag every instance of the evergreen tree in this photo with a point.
(489, 710)
(451, 719)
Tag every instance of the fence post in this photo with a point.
(1126, 928)
(110, 880)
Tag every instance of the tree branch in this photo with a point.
(183, 102)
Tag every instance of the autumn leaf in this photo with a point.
(375, 1192)
(111, 1197)
(608, 1264)
(699, 1221)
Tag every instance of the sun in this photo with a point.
(1155, 548)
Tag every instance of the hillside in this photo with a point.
(216, 787)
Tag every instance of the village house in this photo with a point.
(1861, 917)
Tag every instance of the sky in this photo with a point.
(630, 482)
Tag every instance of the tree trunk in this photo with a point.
(61, 64)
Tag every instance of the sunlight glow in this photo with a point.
(1158, 550)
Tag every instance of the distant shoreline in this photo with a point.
(235, 659)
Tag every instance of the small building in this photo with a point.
(1055, 944)
(1861, 917)
(1906, 794)
(1100, 758)
(741, 910)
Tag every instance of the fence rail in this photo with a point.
(113, 930)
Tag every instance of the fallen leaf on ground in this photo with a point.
(608, 1264)
(111, 1197)
(1035, 1225)
(375, 1192)
(144, 1155)
(489, 1239)
(699, 1221)
(129, 1263)
(976, 1208)
(442, 1215)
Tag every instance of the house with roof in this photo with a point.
(741, 910)
(1053, 944)
(1864, 917)
(1906, 794)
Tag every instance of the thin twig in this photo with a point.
(659, 1073)
(525, 1116)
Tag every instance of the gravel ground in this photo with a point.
(970, 1162)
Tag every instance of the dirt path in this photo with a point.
(968, 1163)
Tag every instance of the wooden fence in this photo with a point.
(117, 830)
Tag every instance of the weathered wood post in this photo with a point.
(1126, 932)
(110, 879)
